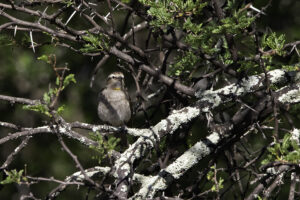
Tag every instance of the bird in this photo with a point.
(114, 104)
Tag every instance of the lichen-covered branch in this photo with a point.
(202, 149)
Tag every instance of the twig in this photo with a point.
(14, 100)
(10, 158)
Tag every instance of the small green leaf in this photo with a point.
(13, 176)
(274, 42)
(104, 147)
(210, 175)
(46, 98)
(57, 81)
(44, 58)
(68, 3)
(290, 67)
(286, 151)
(38, 108)
(6, 40)
(68, 79)
(61, 109)
(259, 198)
(95, 43)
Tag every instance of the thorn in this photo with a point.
(92, 81)
(15, 32)
(92, 4)
(30, 34)
(293, 48)
(297, 52)
(72, 15)
(257, 10)
(42, 15)
(116, 7)
(92, 15)
(106, 16)
(113, 9)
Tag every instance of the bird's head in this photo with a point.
(115, 81)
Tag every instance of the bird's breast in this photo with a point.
(114, 107)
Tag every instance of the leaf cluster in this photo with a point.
(286, 151)
(50, 95)
(170, 12)
(104, 145)
(200, 33)
(95, 43)
(13, 176)
(274, 42)
(206, 34)
(218, 183)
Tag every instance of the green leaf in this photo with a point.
(112, 143)
(68, 79)
(210, 175)
(44, 58)
(60, 109)
(171, 12)
(286, 151)
(68, 2)
(6, 40)
(57, 81)
(13, 176)
(95, 43)
(286, 143)
(46, 98)
(259, 198)
(104, 147)
(38, 108)
(274, 42)
(184, 63)
(290, 67)
(220, 182)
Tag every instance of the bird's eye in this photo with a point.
(113, 76)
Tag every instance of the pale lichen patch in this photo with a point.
(211, 97)
(137, 132)
(152, 185)
(250, 82)
(95, 129)
(124, 188)
(191, 157)
(82, 140)
(161, 126)
(276, 75)
(241, 88)
(238, 89)
(295, 135)
(214, 138)
(176, 119)
(62, 129)
(79, 176)
(125, 167)
(271, 170)
(292, 96)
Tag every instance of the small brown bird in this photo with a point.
(114, 105)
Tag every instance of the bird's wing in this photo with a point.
(100, 95)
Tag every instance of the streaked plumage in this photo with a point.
(114, 106)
